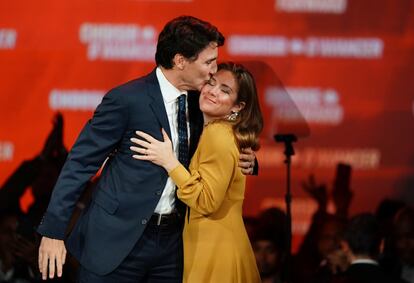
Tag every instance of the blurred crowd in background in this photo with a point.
(368, 247)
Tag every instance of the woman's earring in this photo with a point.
(233, 116)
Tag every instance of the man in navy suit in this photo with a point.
(131, 232)
(361, 244)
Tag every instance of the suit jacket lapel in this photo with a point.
(194, 113)
(157, 104)
(196, 120)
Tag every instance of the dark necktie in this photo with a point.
(182, 132)
(182, 146)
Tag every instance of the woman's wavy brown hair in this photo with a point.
(249, 122)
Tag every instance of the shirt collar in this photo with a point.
(365, 260)
(169, 92)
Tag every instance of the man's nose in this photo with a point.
(213, 68)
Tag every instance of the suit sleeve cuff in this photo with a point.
(255, 168)
(50, 226)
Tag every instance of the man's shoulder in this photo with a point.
(367, 271)
(137, 84)
(192, 98)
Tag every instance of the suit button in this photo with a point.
(144, 221)
(158, 193)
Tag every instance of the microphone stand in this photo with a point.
(288, 140)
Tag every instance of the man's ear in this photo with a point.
(345, 246)
(346, 249)
(382, 246)
(179, 61)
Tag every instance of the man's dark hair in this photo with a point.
(363, 235)
(185, 35)
(270, 226)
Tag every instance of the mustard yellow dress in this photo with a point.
(216, 246)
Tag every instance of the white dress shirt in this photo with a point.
(365, 261)
(170, 96)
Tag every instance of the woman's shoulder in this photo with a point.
(219, 134)
(219, 126)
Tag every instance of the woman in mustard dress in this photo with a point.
(216, 246)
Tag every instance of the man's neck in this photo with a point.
(172, 75)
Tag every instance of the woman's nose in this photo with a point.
(214, 91)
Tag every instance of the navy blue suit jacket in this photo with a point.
(128, 190)
(364, 273)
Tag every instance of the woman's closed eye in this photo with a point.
(225, 89)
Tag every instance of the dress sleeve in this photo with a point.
(204, 188)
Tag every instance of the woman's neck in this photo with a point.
(207, 119)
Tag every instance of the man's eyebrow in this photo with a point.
(211, 59)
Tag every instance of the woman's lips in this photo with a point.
(209, 99)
